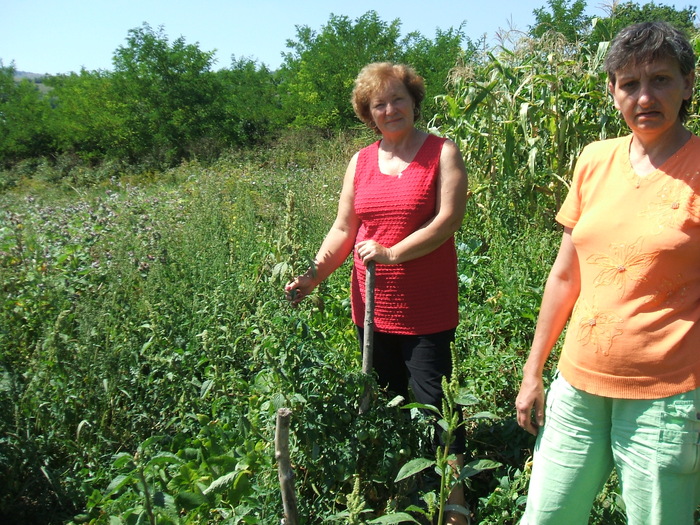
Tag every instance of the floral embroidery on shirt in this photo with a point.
(669, 292)
(595, 328)
(623, 264)
(676, 202)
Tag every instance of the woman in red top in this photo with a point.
(402, 200)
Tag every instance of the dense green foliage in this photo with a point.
(169, 95)
(145, 345)
(319, 71)
(164, 102)
(568, 18)
(23, 130)
(521, 119)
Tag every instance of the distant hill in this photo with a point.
(36, 78)
(19, 75)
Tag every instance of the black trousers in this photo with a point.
(419, 362)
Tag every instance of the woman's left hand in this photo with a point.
(370, 250)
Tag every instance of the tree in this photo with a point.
(163, 103)
(88, 118)
(565, 16)
(23, 118)
(251, 101)
(318, 74)
(626, 13)
(434, 59)
(172, 94)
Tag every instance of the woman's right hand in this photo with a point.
(560, 294)
(336, 246)
(530, 404)
(298, 288)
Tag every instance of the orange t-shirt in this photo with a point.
(634, 331)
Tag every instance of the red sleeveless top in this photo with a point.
(418, 297)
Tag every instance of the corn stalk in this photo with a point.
(521, 118)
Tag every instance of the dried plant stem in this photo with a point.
(368, 338)
(284, 466)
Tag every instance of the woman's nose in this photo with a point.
(646, 95)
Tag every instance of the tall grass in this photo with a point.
(146, 346)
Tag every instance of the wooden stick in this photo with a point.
(368, 338)
(284, 466)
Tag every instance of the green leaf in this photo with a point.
(465, 398)
(531, 161)
(221, 484)
(474, 467)
(399, 517)
(421, 406)
(189, 500)
(339, 516)
(413, 467)
(416, 508)
(279, 270)
(206, 387)
(122, 459)
(164, 458)
(118, 482)
(483, 415)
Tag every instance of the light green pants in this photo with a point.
(653, 444)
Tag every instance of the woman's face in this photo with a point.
(650, 95)
(392, 107)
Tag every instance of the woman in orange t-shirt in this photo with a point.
(627, 281)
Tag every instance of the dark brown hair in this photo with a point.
(648, 41)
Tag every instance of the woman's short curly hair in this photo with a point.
(374, 76)
(641, 43)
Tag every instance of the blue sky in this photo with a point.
(59, 36)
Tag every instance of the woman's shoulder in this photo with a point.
(607, 146)
(374, 146)
(366, 154)
(597, 155)
(436, 139)
(694, 142)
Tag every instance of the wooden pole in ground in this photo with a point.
(284, 466)
(368, 338)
